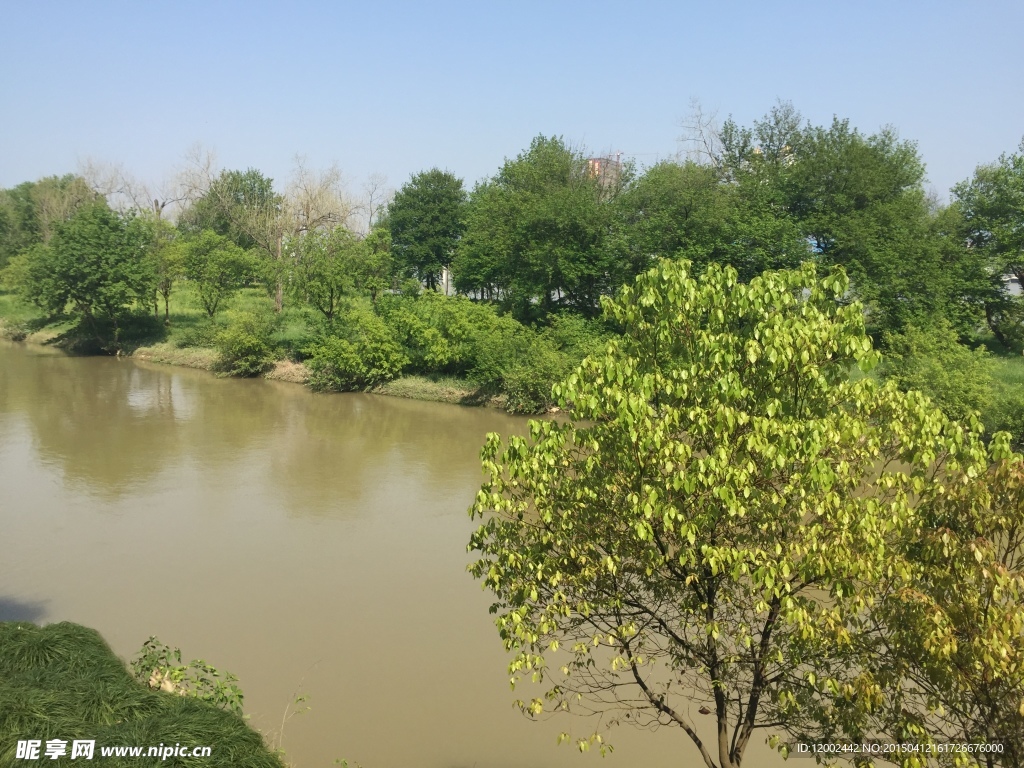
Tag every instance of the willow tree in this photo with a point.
(700, 543)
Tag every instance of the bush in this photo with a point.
(368, 354)
(525, 364)
(244, 346)
(1007, 414)
(528, 378)
(203, 334)
(957, 378)
(455, 336)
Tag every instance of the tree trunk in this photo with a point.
(279, 293)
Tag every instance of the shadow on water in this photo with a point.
(14, 609)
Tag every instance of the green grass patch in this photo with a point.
(440, 389)
(1008, 371)
(63, 682)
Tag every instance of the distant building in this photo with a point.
(1013, 286)
(607, 170)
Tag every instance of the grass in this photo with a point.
(63, 682)
(441, 389)
(1009, 371)
(21, 321)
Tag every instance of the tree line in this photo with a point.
(551, 232)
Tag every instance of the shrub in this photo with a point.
(244, 346)
(528, 378)
(932, 360)
(202, 334)
(427, 348)
(1007, 414)
(367, 354)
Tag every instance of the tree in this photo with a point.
(31, 212)
(217, 267)
(536, 233)
(245, 207)
(700, 213)
(673, 209)
(93, 267)
(860, 201)
(857, 199)
(949, 655)
(426, 219)
(166, 257)
(710, 522)
(237, 205)
(325, 265)
(992, 207)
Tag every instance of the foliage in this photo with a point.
(932, 360)
(159, 666)
(324, 267)
(244, 345)
(31, 211)
(992, 207)
(532, 368)
(94, 268)
(1007, 410)
(216, 266)
(366, 354)
(374, 273)
(63, 682)
(426, 220)
(949, 659)
(167, 257)
(671, 209)
(710, 523)
(536, 232)
(710, 214)
(858, 199)
(236, 205)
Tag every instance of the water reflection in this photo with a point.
(111, 426)
(307, 543)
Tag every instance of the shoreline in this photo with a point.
(448, 390)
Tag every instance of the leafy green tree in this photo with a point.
(244, 346)
(166, 255)
(857, 199)
(860, 201)
(375, 273)
(673, 209)
(94, 268)
(368, 354)
(31, 211)
(426, 220)
(237, 205)
(216, 266)
(324, 266)
(536, 233)
(708, 526)
(18, 226)
(992, 207)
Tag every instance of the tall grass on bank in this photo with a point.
(63, 682)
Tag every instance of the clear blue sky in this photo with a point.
(397, 88)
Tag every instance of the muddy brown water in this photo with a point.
(311, 544)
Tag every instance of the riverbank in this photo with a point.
(448, 389)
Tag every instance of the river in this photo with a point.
(311, 544)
